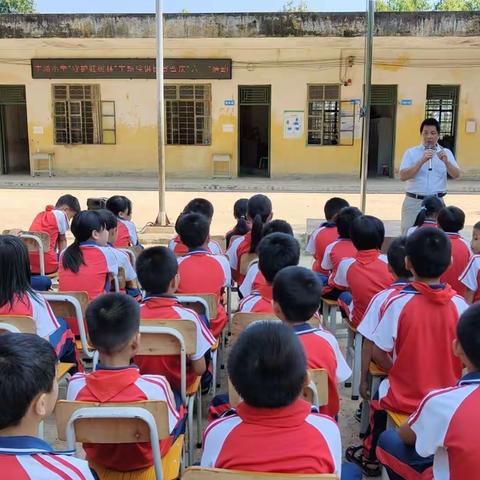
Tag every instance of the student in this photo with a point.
(28, 393)
(475, 243)
(443, 431)
(451, 220)
(428, 215)
(121, 207)
(200, 271)
(415, 334)
(297, 293)
(367, 273)
(259, 212)
(53, 221)
(157, 271)
(275, 252)
(324, 235)
(113, 324)
(203, 207)
(470, 276)
(240, 214)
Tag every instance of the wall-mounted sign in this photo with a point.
(406, 101)
(293, 124)
(91, 68)
(229, 103)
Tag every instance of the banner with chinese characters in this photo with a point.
(174, 68)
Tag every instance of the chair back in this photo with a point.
(241, 320)
(32, 240)
(200, 473)
(194, 301)
(63, 303)
(316, 392)
(245, 260)
(17, 324)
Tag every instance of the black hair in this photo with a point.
(240, 208)
(396, 257)
(240, 213)
(156, 268)
(109, 218)
(431, 207)
(451, 219)
(277, 226)
(259, 211)
(83, 225)
(468, 333)
(429, 251)
(119, 203)
(333, 206)
(267, 365)
(69, 201)
(193, 229)
(14, 269)
(275, 252)
(27, 369)
(200, 205)
(367, 233)
(112, 319)
(298, 292)
(430, 122)
(344, 220)
(477, 226)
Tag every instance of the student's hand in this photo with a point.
(365, 390)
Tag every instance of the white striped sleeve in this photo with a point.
(62, 221)
(75, 385)
(310, 248)
(232, 252)
(327, 259)
(470, 275)
(42, 314)
(247, 285)
(341, 275)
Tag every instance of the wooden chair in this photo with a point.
(245, 260)
(17, 324)
(63, 369)
(119, 280)
(241, 320)
(200, 473)
(329, 314)
(354, 358)
(396, 419)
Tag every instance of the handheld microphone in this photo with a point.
(429, 146)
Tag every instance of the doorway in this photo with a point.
(381, 149)
(254, 131)
(14, 148)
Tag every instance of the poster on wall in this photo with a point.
(293, 123)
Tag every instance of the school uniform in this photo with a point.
(322, 351)
(470, 276)
(365, 276)
(319, 240)
(55, 223)
(425, 224)
(127, 234)
(30, 458)
(254, 279)
(167, 307)
(124, 262)
(179, 248)
(259, 301)
(202, 272)
(461, 253)
(239, 247)
(117, 385)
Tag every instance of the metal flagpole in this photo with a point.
(367, 102)
(162, 217)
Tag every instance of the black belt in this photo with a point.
(421, 197)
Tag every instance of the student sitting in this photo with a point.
(443, 432)
(240, 214)
(470, 276)
(121, 207)
(113, 324)
(203, 207)
(157, 270)
(28, 393)
(367, 273)
(428, 215)
(451, 220)
(54, 221)
(275, 252)
(416, 330)
(199, 270)
(324, 235)
(296, 299)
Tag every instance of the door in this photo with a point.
(14, 148)
(254, 131)
(381, 149)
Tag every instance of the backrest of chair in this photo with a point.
(30, 243)
(241, 320)
(198, 307)
(200, 473)
(319, 381)
(63, 307)
(111, 430)
(220, 239)
(23, 324)
(245, 260)
(122, 281)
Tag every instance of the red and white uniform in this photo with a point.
(365, 276)
(259, 301)
(29, 458)
(470, 276)
(124, 262)
(461, 254)
(55, 223)
(254, 279)
(319, 240)
(202, 272)
(447, 425)
(167, 307)
(127, 234)
(322, 351)
(418, 328)
(425, 224)
(282, 440)
(334, 254)
(122, 385)
(239, 247)
(179, 248)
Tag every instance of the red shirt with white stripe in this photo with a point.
(322, 351)
(418, 328)
(461, 254)
(259, 301)
(239, 247)
(470, 276)
(168, 307)
(319, 240)
(254, 279)
(116, 386)
(365, 276)
(179, 248)
(334, 254)
(29, 458)
(127, 234)
(54, 223)
(283, 440)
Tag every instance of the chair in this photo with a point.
(395, 419)
(132, 253)
(354, 358)
(329, 314)
(245, 260)
(200, 473)
(241, 320)
(119, 280)
(17, 324)
(63, 369)
(376, 374)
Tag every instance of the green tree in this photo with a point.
(184, 11)
(17, 6)
(292, 6)
(457, 5)
(402, 5)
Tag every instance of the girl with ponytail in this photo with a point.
(427, 217)
(242, 226)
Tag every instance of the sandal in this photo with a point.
(370, 468)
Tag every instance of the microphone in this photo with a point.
(430, 146)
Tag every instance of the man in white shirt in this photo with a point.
(424, 168)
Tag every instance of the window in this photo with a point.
(323, 114)
(187, 112)
(80, 117)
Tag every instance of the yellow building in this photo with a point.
(277, 94)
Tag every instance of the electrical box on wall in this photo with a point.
(470, 126)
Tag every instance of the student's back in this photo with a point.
(121, 207)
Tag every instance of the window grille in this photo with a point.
(323, 114)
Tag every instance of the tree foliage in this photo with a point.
(292, 6)
(426, 5)
(457, 5)
(17, 6)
